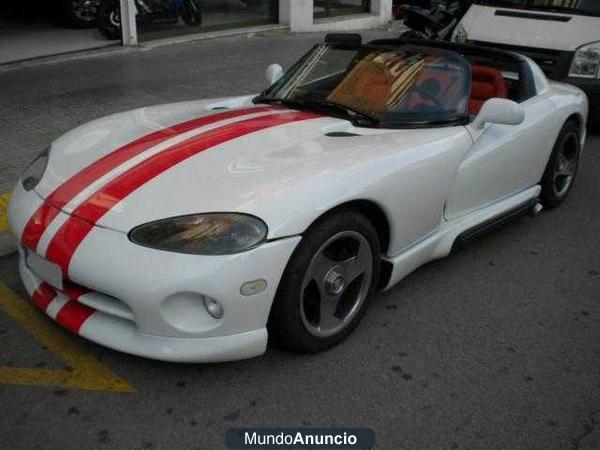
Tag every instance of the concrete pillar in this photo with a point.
(128, 23)
(298, 14)
(382, 8)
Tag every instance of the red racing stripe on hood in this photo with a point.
(45, 214)
(67, 239)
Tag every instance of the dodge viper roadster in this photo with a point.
(193, 231)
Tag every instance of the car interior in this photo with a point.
(494, 78)
(486, 82)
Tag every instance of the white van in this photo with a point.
(562, 36)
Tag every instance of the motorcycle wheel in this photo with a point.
(80, 13)
(109, 19)
(191, 12)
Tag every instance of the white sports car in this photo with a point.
(190, 231)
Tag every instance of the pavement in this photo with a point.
(495, 347)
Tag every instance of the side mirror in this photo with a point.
(501, 111)
(273, 73)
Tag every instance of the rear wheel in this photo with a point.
(328, 283)
(561, 169)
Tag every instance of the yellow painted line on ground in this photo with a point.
(4, 198)
(85, 371)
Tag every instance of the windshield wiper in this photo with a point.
(358, 118)
(299, 104)
(282, 101)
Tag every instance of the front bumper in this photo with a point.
(149, 303)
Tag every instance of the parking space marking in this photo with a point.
(85, 371)
(3, 214)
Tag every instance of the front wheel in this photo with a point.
(191, 12)
(562, 166)
(109, 19)
(327, 284)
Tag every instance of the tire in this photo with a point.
(80, 13)
(336, 238)
(109, 19)
(562, 166)
(191, 13)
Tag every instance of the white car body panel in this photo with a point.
(432, 184)
(440, 243)
(296, 163)
(292, 161)
(481, 180)
(482, 24)
(89, 142)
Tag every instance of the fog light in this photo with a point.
(213, 307)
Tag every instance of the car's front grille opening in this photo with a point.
(98, 301)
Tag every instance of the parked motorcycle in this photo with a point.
(79, 13)
(434, 24)
(147, 11)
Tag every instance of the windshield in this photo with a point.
(407, 85)
(586, 7)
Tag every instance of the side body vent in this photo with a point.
(341, 134)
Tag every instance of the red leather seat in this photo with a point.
(487, 82)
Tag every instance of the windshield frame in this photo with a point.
(509, 4)
(389, 120)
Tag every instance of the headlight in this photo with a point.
(202, 234)
(35, 171)
(460, 35)
(586, 61)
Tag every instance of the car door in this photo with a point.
(504, 159)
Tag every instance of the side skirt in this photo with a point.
(459, 231)
(496, 222)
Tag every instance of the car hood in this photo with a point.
(482, 24)
(267, 172)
